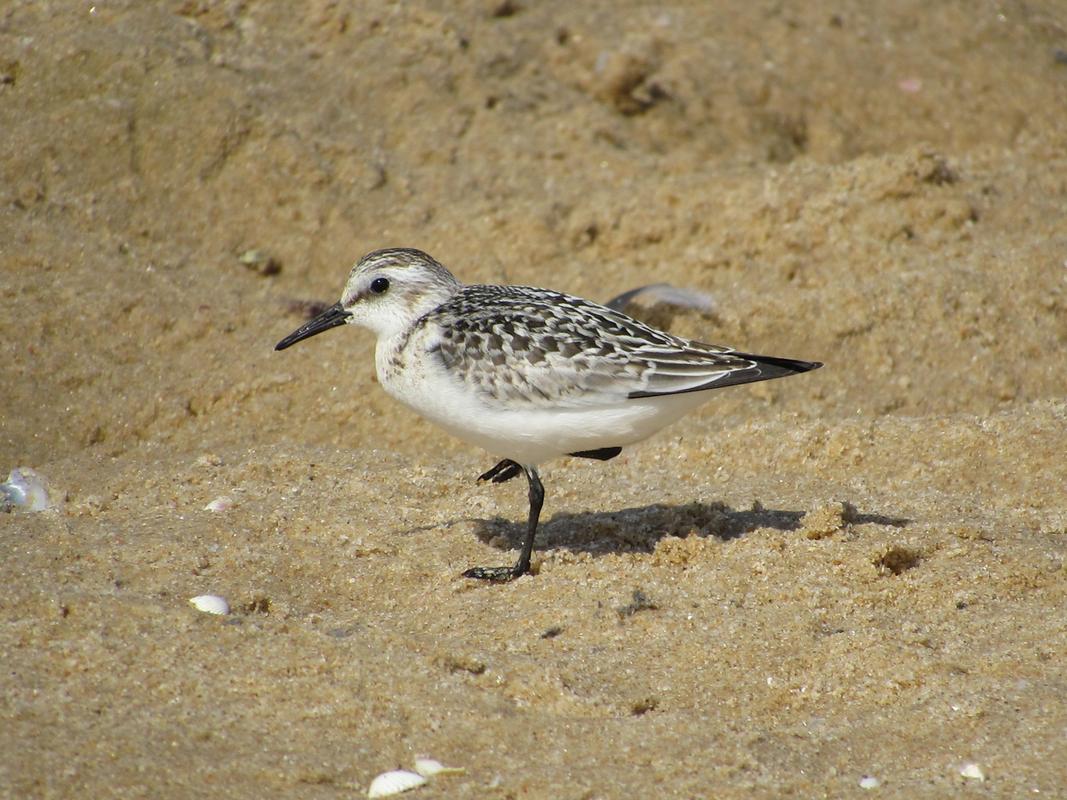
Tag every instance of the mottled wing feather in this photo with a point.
(743, 368)
(547, 349)
(702, 369)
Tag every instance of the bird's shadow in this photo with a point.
(639, 529)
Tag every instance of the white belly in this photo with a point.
(526, 434)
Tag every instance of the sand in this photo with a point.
(857, 573)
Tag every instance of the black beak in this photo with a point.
(330, 318)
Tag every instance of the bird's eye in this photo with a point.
(379, 285)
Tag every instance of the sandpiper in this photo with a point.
(527, 374)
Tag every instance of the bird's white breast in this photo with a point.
(411, 372)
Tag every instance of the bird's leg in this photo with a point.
(600, 454)
(522, 566)
(504, 471)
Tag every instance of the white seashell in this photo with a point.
(210, 604)
(972, 772)
(666, 294)
(394, 782)
(869, 782)
(24, 489)
(222, 503)
(428, 767)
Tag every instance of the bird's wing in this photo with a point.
(524, 346)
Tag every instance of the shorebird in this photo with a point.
(527, 374)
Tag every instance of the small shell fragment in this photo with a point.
(869, 782)
(428, 767)
(25, 490)
(210, 604)
(666, 294)
(394, 782)
(260, 262)
(222, 503)
(973, 772)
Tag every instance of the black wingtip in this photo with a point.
(780, 366)
(768, 368)
(764, 368)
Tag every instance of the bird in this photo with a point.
(527, 374)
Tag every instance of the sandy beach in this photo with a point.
(850, 583)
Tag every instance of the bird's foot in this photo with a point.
(496, 574)
(504, 471)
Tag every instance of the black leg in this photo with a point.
(504, 471)
(600, 454)
(522, 566)
(537, 499)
